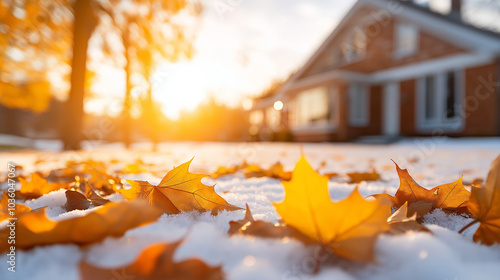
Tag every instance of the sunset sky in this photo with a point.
(240, 50)
(241, 47)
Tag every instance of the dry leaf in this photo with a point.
(223, 171)
(484, 204)
(357, 177)
(155, 262)
(78, 201)
(248, 226)
(113, 219)
(274, 171)
(451, 197)
(399, 222)
(179, 191)
(348, 227)
(20, 209)
(37, 187)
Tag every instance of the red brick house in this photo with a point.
(392, 68)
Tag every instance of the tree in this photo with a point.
(34, 47)
(148, 32)
(84, 24)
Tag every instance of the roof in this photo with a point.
(450, 19)
(479, 40)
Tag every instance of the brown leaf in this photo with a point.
(78, 201)
(179, 191)
(449, 197)
(113, 219)
(400, 222)
(265, 229)
(235, 226)
(357, 177)
(155, 262)
(484, 204)
(274, 171)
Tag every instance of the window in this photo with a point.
(358, 105)
(353, 46)
(440, 100)
(359, 42)
(430, 98)
(406, 40)
(311, 108)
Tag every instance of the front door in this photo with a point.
(391, 113)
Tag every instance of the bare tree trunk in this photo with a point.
(83, 26)
(128, 88)
(153, 114)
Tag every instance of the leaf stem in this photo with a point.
(468, 226)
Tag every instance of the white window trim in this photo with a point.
(457, 124)
(340, 61)
(332, 125)
(365, 119)
(398, 53)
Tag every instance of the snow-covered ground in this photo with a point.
(431, 161)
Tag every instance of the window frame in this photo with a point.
(441, 121)
(398, 51)
(331, 123)
(363, 119)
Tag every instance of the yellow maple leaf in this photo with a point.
(348, 227)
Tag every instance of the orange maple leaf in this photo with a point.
(113, 219)
(20, 209)
(484, 204)
(451, 196)
(38, 186)
(155, 262)
(179, 191)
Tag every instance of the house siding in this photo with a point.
(380, 32)
(481, 101)
(381, 50)
(407, 106)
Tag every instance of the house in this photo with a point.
(391, 68)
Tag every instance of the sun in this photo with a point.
(181, 86)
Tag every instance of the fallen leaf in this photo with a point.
(400, 223)
(357, 177)
(450, 197)
(274, 171)
(484, 204)
(349, 227)
(78, 201)
(37, 187)
(5, 213)
(265, 229)
(112, 219)
(155, 262)
(179, 191)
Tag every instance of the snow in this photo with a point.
(431, 161)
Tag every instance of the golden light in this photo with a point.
(278, 105)
(247, 104)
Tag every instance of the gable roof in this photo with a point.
(477, 40)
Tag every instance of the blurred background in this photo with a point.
(165, 70)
